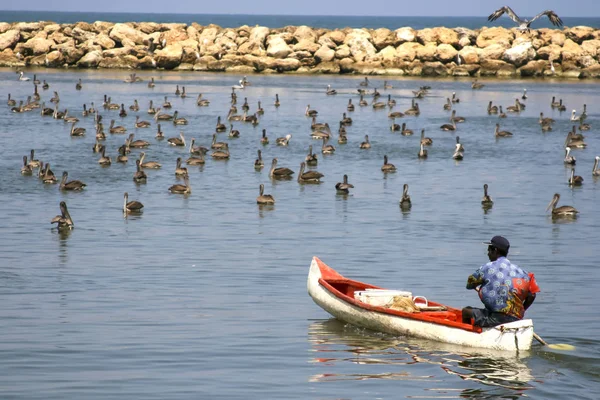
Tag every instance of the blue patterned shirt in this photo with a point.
(504, 286)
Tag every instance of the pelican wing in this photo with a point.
(509, 12)
(555, 19)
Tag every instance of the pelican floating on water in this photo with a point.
(562, 211)
(131, 206)
(344, 187)
(64, 220)
(264, 199)
(487, 200)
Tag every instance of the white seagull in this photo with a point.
(524, 24)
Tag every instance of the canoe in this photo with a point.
(345, 299)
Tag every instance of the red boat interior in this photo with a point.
(344, 288)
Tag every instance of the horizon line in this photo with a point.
(266, 14)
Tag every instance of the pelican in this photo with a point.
(148, 164)
(342, 138)
(449, 127)
(64, 220)
(454, 98)
(394, 127)
(386, 85)
(26, 169)
(240, 86)
(422, 152)
(458, 154)
(264, 199)
(545, 121)
(104, 160)
(405, 131)
(258, 163)
(45, 85)
(309, 176)
(574, 142)
(574, 117)
(277, 103)
(455, 118)
(202, 102)
(32, 161)
(20, 108)
(177, 141)
(220, 127)
(77, 131)
(327, 148)
(279, 172)
(151, 109)
(122, 113)
(562, 211)
(363, 102)
(283, 141)
(218, 145)
(366, 144)
(72, 185)
(141, 124)
(264, 139)
(179, 170)
(575, 180)
(501, 113)
(516, 108)
(487, 200)
(48, 175)
(316, 126)
(196, 160)
(448, 105)
(12, 102)
(405, 200)
(460, 147)
(330, 91)
(583, 126)
(197, 150)
(137, 144)
(425, 141)
(342, 129)
(22, 77)
(499, 133)
(221, 154)
(55, 98)
(177, 91)
(365, 82)
(179, 121)
(245, 106)
(259, 109)
(387, 167)
(310, 113)
(167, 104)
(524, 96)
(595, 169)
(116, 129)
(311, 158)
(135, 106)
(492, 109)
(151, 84)
(159, 133)
(413, 111)
(182, 189)
(395, 114)
(524, 24)
(346, 120)
(349, 107)
(391, 102)
(476, 85)
(131, 206)
(78, 85)
(343, 187)
(122, 157)
(139, 176)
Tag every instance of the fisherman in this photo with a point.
(505, 289)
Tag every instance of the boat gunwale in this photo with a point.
(330, 275)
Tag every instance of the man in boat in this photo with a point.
(504, 288)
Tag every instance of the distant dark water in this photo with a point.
(276, 21)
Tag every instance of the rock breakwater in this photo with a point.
(496, 51)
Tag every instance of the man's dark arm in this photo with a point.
(529, 300)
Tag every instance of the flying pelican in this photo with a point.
(524, 24)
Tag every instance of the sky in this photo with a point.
(434, 8)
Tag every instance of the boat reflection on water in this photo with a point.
(338, 348)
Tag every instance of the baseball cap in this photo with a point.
(499, 242)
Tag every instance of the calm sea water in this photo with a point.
(204, 296)
(277, 21)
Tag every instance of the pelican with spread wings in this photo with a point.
(524, 24)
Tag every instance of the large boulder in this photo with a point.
(493, 52)
(571, 51)
(9, 39)
(520, 54)
(277, 47)
(580, 33)
(90, 60)
(382, 38)
(427, 53)
(169, 57)
(37, 46)
(54, 59)
(590, 47)
(550, 52)
(359, 41)
(495, 35)
(533, 68)
(496, 67)
(435, 68)
(306, 45)
(408, 51)
(445, 53)
(405, 34)
(4, 27)
(343, 51)
(446, 36)
(104, 41)
(120, 32)
(305, 33)
(469, 55)
(324, 54)
(387, 54)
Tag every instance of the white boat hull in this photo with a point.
(514, 336)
